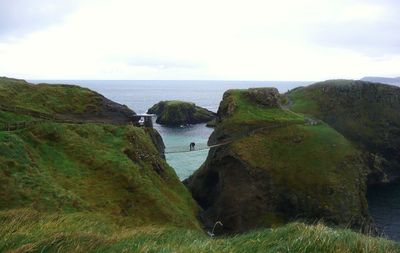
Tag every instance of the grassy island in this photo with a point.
(176, 113)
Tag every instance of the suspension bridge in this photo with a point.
(197, 148)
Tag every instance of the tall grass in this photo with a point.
(29, 231)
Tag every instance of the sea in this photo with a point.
(140, 95)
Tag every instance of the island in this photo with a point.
(177, 113)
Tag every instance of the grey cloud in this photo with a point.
(20, 17)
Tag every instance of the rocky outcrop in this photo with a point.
(274, 168)
(157, 140)
(176, 113)
(268, 97)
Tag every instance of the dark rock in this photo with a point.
(268, 97)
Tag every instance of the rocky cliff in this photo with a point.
(275, 166)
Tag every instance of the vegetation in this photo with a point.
(63, 102)
(115, 170)
(365, 113)
(46, 98)
(175, 113)
(29, 231)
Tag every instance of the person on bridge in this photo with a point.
(191, 146)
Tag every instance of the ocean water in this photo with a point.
(384, 206)
(384, 202)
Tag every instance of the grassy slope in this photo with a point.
(364, 112)
(28, 231)
(97, 168)
(46, 98)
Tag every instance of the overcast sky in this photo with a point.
(199, 39)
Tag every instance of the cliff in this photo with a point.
(277, 166)
(176, 113)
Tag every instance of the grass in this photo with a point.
(247, 116)
(9, 117)
(114, 170)
(247, 111)
(365, 113)
(314, 164)
(46, 98)
(24, 230)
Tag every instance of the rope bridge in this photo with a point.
(198, 147)
(186, 148)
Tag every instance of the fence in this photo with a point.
(32, 113)
(18, 125)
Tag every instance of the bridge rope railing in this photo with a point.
(186, 148)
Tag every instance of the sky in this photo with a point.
(199, 39)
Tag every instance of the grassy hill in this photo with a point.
(368, 114)
(63, 102)
(113, 170)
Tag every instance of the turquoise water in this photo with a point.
(185, 163)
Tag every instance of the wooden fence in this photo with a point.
(32, 113)
(19, 125)
(40, 117)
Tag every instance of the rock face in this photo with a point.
(175, 113)
(366, 113)
(274, 168)
(268, 97)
